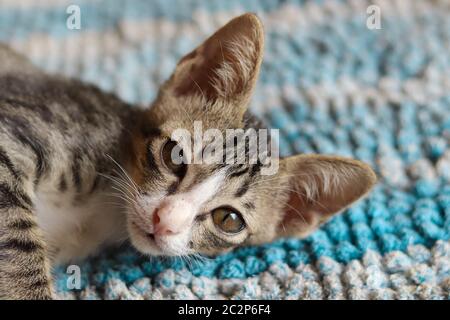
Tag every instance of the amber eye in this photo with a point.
(173, 158)
(228, 220)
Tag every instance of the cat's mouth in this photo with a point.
(148, 235)
(143, 240)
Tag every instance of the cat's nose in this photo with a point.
(162, 228)
(170, 218)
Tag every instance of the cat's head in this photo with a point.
(179, 208)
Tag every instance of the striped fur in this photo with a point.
(56, 140)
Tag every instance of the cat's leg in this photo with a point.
(24, 269)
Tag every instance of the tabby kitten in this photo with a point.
(66, 147)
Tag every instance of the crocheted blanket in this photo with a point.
(333, 84)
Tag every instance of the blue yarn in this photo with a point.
(345, 251)
(403, 221)
(101, 278)
(321, 244)
(399, 207)
(296, 258)
(233, 269)
(205, 268)
(272, 255)
(166, 280)
(294, 244)
(391, 243)
(377, 210)
(152, 268)
(444, 201)
(254, 266)
(357, 214)
(422, 275)
(426, 188)
(338, 229)
(130, 274)
(176, 264)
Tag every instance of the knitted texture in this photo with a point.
(332, 86)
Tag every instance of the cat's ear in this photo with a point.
(318, 187)
(225, 66)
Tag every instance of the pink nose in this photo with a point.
(160, 228)
(168, 219)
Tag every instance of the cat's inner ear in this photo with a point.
(225, 66)
(318, 187)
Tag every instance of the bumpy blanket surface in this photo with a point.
(332, 85)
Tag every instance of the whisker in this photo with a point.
(125, 173)
(124, 195)
(117, 180)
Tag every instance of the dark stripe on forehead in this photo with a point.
(218, 167)
(235, 171)
(249, 206)
(255, 169)
(242, 189)
(201, 175)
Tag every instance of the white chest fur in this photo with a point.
(77, 228)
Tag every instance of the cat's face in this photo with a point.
(177, 208)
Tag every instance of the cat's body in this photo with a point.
(57, 139)
(60, 164)
(80, 169)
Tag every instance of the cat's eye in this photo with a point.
(228, 220)
(173, 158)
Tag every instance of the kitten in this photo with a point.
(66, 148)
